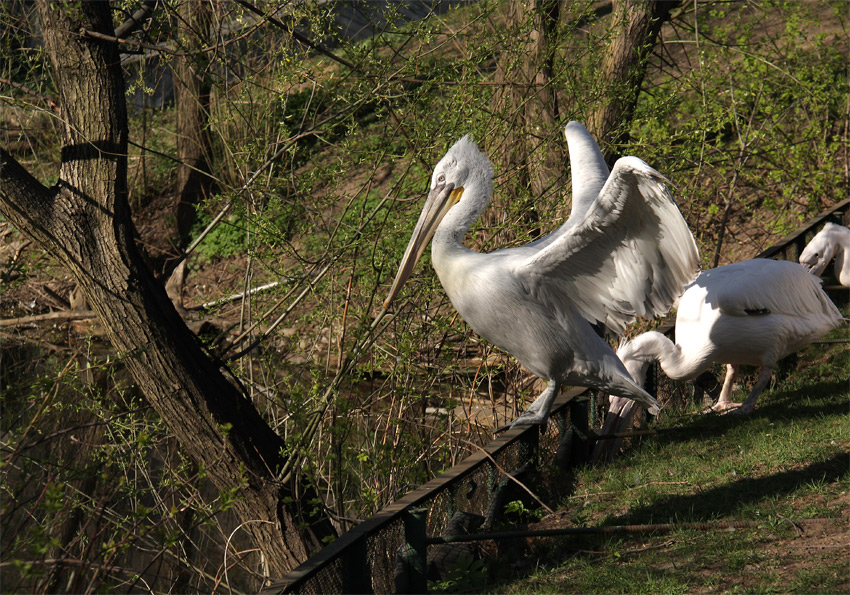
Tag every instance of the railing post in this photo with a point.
(356, 575)
(800, 245)
(528, 447)
(593, 404)
(580, 419)
(450, 506)
(651, 384)
(415, 529)
(578, 413)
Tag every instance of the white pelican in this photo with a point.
(625, 251)
(752, 312)
(833, 241)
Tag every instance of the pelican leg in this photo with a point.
(724, 401)
(538, 412)
(621, 411)
(749, 405)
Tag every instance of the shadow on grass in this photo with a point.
(725, 501)
(824, 398)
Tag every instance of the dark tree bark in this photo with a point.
(84, 221)
(541, 109)
(530, 150)
(637, 23)
(507, 104)
(192, 101)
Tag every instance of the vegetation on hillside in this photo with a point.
(321, 158)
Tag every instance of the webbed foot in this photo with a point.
(723, 407)
(528, 418)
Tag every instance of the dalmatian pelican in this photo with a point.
(752, 312)
(625, 251)
(832, 241)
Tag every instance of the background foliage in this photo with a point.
(323, 157)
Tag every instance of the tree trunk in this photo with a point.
(637, 24)
(84, 221)
(530, 151)
(506, 103)
(192, 102)
(545, 155)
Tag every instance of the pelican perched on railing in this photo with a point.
(625, 251)
(832, 241)
(753, 312)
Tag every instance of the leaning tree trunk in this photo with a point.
(636, 23)
(84, 221)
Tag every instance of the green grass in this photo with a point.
(787, 461)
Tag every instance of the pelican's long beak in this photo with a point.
(815, 268)
(440, 200)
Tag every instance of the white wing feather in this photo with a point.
(589, 173)
(631, 254)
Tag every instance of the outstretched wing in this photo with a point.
(589, 173)
(631, 254)
(588, 168)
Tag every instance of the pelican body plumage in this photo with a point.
(625, 251)
(753, 312)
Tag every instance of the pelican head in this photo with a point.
(635, 359)
(821, 249)
(461, 165)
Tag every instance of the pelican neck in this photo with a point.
(459, 219)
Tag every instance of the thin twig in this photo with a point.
(353, 357)
(279, 319)
(515, 480)
(50, 101)
(227, 547)
(297, 36)
(290, 141)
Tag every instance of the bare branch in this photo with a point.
(136, 21)
(58, 315)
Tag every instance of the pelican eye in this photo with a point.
(441, 179)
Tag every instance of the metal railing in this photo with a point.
(366, 558)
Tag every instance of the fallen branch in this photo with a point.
(614, 529)
(58, 315)
(234, 297)
(643, 485)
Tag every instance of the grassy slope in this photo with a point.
(788, 461)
